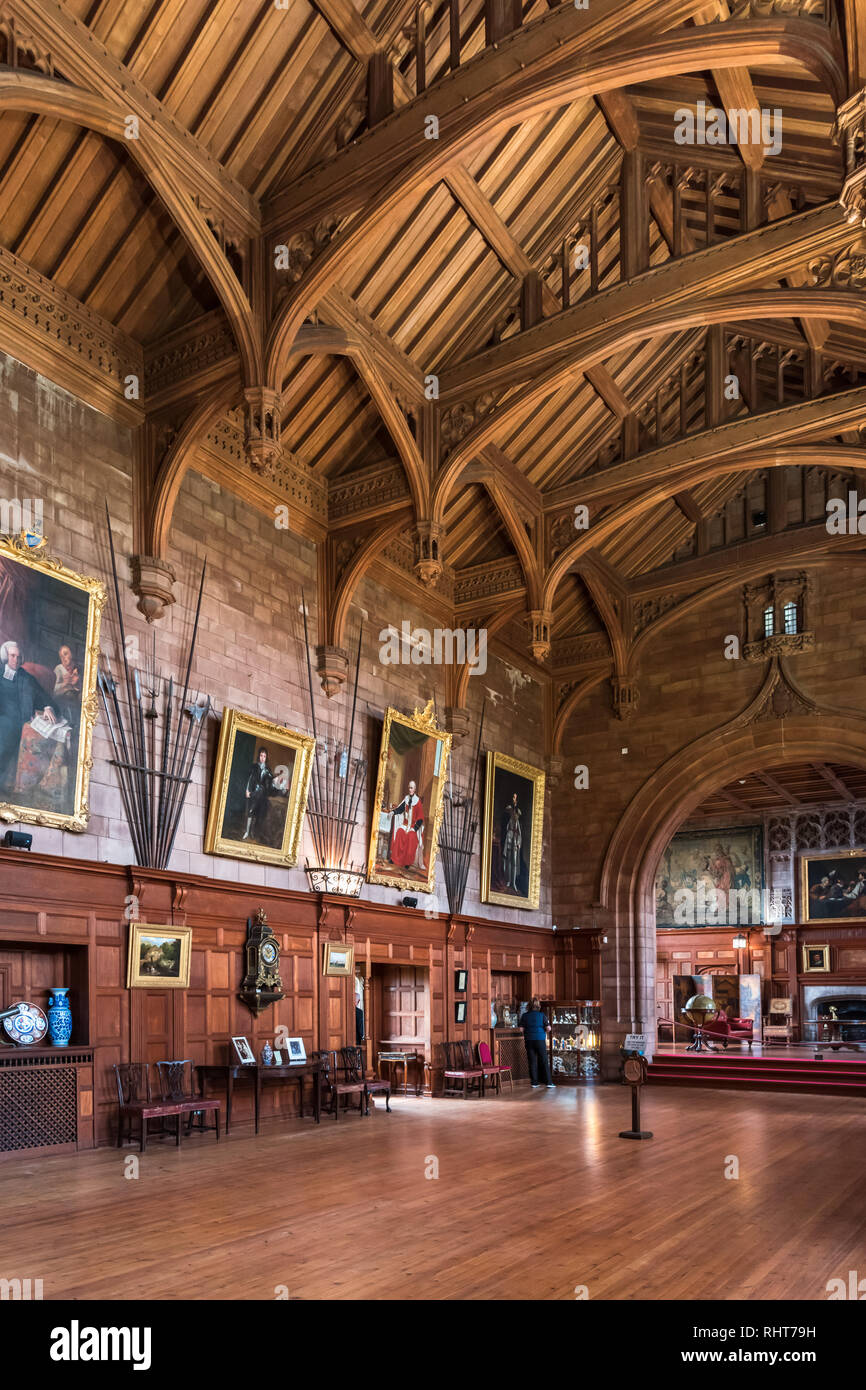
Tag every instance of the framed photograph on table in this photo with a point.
(159, 956)
(513, 828)
(49, 652)
(245, 1054)
(407, 810)
(833, 886)
(260, 786)
(296, 1051)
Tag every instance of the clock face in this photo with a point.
(269, 952)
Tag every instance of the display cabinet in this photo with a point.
(574, 1039)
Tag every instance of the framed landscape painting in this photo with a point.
(407, 810)
(513, 829)
(260, 788)
(49, 652)
(158, 956)
(711, 878)
(833, 886)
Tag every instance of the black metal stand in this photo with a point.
(699, 1043)
(635, 1132)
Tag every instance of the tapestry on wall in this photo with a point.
(711, 878)
(49, 650)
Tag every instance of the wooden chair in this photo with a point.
(135, 1102)
(337, 1088)
(495, 1069)
(353, 1069)
(779, 1022)
(176, 1083)
(456, 1069)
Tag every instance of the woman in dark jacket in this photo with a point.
(535, 1030)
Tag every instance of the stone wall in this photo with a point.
(250, 651)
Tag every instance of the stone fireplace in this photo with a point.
(849, 1001)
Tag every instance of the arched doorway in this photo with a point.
(778, 727)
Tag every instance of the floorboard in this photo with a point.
(536, 1197)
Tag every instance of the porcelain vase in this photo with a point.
(59, 1017)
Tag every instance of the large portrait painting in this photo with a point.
(711, 878)
(513, 829)
(407, 810)
(49, 652)
(260, 788)
(833, 886)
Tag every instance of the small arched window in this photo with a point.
(769, 621)
(790, 616)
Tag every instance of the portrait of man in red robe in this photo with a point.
(407, 831)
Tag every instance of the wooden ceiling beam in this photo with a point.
(769, 439)
(734, 86)
(765, 253)
(835, 782)
(85, 60)
(773, 785)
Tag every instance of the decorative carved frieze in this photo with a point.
(367, 489)
(479, 582)
(584, 648)
(191, 352)
(19, 48)
(780, 9)
(781, 698)
(780, 644)
(55, 334)
(350, 123)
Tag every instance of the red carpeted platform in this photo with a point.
(792, 1073)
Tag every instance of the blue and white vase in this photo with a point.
(267, 1055)
(59, 1017)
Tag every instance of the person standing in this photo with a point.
(21, 696)
(536, 1027)
(259, 784)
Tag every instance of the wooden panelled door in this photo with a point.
(403, 1016)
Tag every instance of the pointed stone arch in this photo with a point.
(781, 724)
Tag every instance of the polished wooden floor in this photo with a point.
(535, 1196)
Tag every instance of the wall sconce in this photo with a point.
(741, 942)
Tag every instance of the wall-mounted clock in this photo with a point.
(262, 984)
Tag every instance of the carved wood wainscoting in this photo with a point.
(67, 919)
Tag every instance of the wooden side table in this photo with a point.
(398, 1058)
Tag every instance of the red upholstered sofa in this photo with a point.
(722, 1029)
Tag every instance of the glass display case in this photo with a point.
(574, 1039)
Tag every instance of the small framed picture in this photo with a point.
(244, 1051)
(816, 960)
(278, 1059)
(158, 957)
(296, 1050)
(338, 959)
(460, 977)
(460, 1011)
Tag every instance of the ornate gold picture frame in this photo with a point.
(159, 956)
(259, 794)
(49, 654)
(513, 829)
(337, 958)
(407, 810)
(833, 886)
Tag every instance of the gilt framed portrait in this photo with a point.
(407, 810)
(833, 886)
(816, 960)
(49, 653)
(260, 786)
(513, 829)
(159, 956)
(337, 959)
